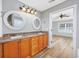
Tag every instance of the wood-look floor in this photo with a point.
(61, 49)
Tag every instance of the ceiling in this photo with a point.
(42, 5)
(68, 14)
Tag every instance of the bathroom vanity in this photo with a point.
(23, 47)
(19, 44)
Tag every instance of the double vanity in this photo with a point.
(19, 44)
(24, 45)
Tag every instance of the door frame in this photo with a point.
(74, 27)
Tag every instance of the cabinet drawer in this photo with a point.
(35, 41)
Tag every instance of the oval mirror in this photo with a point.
(36, 23)
(14, 20)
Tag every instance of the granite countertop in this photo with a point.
(19, 37)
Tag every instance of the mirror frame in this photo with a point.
(5, 18)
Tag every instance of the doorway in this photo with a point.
(62, 31)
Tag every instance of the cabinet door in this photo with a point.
(41, 43)
(11, 49)
(34, 44)
(25, 48)
(0, 50)
(45, 40)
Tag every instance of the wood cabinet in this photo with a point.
(34, 45)
(11, 49)
(25, 48)
(45, 38)
(0, 50)
(40, 42)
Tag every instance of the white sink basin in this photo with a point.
(16, 37)
(40, 33)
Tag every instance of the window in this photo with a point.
(69, 27)
(62, 26)
(65, 27)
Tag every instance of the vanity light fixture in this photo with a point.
(28, 10)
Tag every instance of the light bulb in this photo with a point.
(35, 12)
(23, 9)
(32, 11)
(28, 10)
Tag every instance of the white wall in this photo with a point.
(0, 17)
(14, 5)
